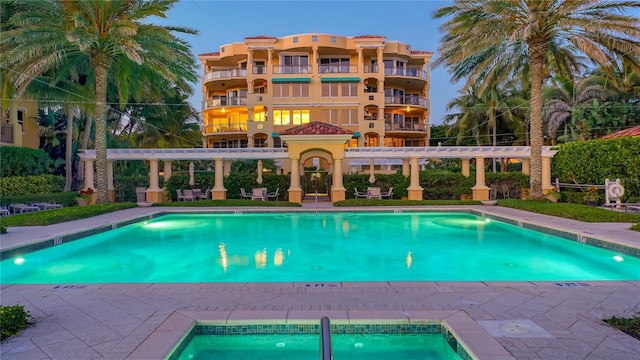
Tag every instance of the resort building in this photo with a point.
(19, 126)
(259, 88)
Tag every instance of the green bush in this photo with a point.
(247, 180)
(126, 186)
(591, 162)
(63, 198)
(444, 185)
(29, 185)
(13, 319)
(629, 325)
(23, 161)
(55, 216)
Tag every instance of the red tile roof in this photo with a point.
(217, 53)
(260, 37)
(316, 128)
(634, 131)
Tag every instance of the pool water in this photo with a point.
(303, 347)
(329, 247)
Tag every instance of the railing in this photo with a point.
(413, 72)
(224, 74)
(371, 69)
(326, 352)
(337, 69)
(224, 128)
(406, 100)
(218, 102)
(292, 69)
(371, 117)
(6, 133)
(259, 69)
(405, 127)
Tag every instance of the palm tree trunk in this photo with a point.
(68, 156)
(536, 52)
(100, 65)
(495, 131)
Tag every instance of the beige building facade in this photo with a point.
(18, 124)
(255, 89)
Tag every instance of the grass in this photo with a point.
(630, 325)
(56, 216)
(578, 212)
(228, 202)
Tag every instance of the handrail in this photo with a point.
(326, 352)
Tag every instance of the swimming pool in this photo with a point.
(329, 247)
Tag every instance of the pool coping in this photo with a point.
(584, 237)
(475, 340)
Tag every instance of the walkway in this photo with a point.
(133, 321)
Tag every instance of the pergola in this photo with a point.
(334, 146)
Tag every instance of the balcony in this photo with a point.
(408, 72)
(406, 100)
(224, 101)
(405, 127)
(371, 69)
(292, 69)
(225, 74)
(6, 134)
(337, 69)
(231, 127)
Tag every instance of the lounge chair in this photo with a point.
(359, 194)
(244, 195)
(4, 212)
(632, 207)
(22, 208)
(48, 206)
(388, 194)
(273, 195)
(259, 194)
(374, 193)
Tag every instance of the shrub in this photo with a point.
(29, 185)
(55, 216)
(23, 161)
(630, 325)
(13, 319)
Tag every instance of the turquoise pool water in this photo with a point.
(330, 247)
(304, 347)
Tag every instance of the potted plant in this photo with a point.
(591, 196)
(85, 196)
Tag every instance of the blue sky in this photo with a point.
(224, 22)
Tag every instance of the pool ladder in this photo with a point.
(326, 353)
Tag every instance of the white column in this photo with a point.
(337, 175)
(167, 170)
(525, 166)
(219, 175)
(110, 175)
(480, 178)
(89, 181)
(466, 170)
(405, 167)
(415, 175)
(295, 174)
(546, 173)
(153, 175)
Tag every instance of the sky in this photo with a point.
(225, 22)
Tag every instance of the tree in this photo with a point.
(111, 34)
(484, 39)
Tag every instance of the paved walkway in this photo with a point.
(133, 321)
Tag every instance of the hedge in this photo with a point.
(23, 161)
(30, 185)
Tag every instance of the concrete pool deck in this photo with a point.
(138, 321)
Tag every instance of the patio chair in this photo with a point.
(374, 193)
(197, 193)
(205, 196)
(359, 194)
(180, 195)
(273, 195)
(388, 194)
(188, 195)
(259, 194)
(22, 208)
(243, 194)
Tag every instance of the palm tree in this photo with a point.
(565, 96)
(110, 34)
(484, 39)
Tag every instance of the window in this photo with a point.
(281, 117)
(349, 117)
(411, 122)
(371, 89)
(412, 142)
(300, 117)
(295, 64)
(349, 89)
(333, 39)
(259, 67)
(259, 90)
(329, 89)
(260, 142)
(281, 90)
(398, 119)
(335, 65)
(295, 39)
(314, 38)
(21, 119)
(300, 90)
(259, 116)
(331, 116)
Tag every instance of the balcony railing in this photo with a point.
(219, 102)
(406, 100)
(225, 74)
(6, 133)
(224, 128)
(405, 127)
(369, 69)
(370, 117)
(337, 69)
(292, 69)
(259, 69)
(413, 72)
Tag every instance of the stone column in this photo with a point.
(360, 61)
(219, 192)
(295, 191)
(480, 191)
(380, 60)
(466, 170)
(414, 190)
(546, 174)
(110, 188)
(154, 193)
(270, 62)
(89, 181)
(337, 189)
(525, 166)
(227, 167)
(405, 167)
(381, 140)
(167, 170)
(250, 66)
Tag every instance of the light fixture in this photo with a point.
(223, 110)
(408, 109)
